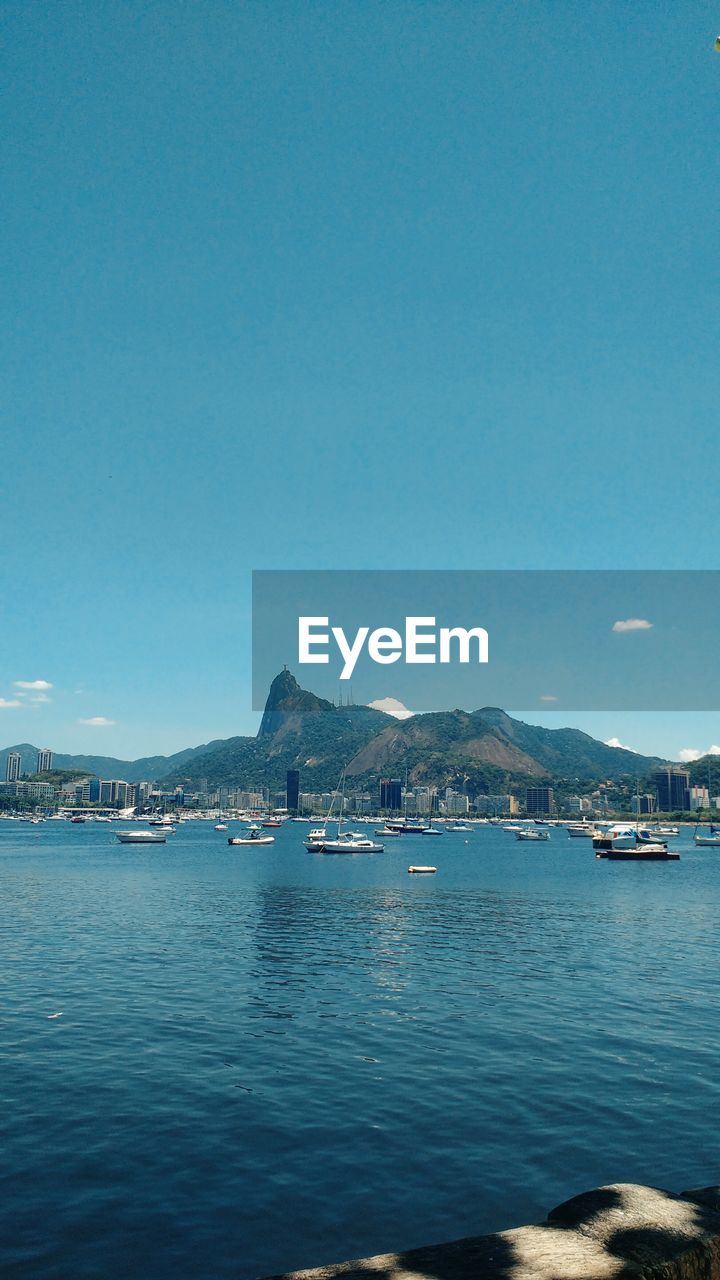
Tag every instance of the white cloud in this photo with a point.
(548, 697)
(632, 624)
(32, 684)
(688, 754)
(13, 702)
(97, 722)
(615, 742)
(391, 707)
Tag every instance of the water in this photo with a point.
(270, 1059)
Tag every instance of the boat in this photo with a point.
(253, 835)
(458, 826)
(422, 871)
(711, 840)
(387, 833)
(316, 840)
(352, 842)
(77, 819)
(272, 822)
(532, 834)
(141, 837)
(318, 837)
(623, 835)
(641, 853)
(581, 829)
(405, 827)
(220, 826)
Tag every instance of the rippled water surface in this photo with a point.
(269, 1059)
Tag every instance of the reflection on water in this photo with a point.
(269, 1059)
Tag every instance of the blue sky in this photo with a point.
(356, 286)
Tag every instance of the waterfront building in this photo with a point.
(539, 801)
(491, 806)
(391, 794)
(672, 785)
(644, 804)
(44, 760)
(455, 804)
(699, 798)
(13, 766)
(292, 790)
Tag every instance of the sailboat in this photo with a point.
(712, 838)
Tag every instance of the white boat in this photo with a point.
(316, 840)
(532, 834)
(253, 835)
(387, 833)
(581, 829)
(422, 871)
(352, 842)
(141, 837)
(460, 826)
(221, 826)
(711, 840)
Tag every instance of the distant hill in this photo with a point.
(485, 750)
(146, 769)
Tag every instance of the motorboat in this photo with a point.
(387, 833)
(641, 853)
(315, 842)
(532, 833)
(253, 835)
(624, 835)
(458, 826)
(141, 837)
(220, 826)
(272, 822)
(581, 829)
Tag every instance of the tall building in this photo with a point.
(673, 788)
(391, 794)
(13, 768)
(539, 800)
(44, 760)
(292, 790)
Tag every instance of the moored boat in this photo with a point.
(253, 835)
(141, 837)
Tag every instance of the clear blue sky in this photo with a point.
(363, 285)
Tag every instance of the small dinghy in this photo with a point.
(422, 871)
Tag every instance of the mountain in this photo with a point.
(298, 730)
(485, 750)
(490, 741)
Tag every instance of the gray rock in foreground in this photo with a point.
(618, 1232)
